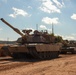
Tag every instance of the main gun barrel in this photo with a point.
(15, 29)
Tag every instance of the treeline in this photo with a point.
(7, 42)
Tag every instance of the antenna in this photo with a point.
(36, 26)
(52, 29)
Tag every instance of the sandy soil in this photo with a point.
(60, 66)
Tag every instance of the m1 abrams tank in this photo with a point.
(38, 44)
(68, 47)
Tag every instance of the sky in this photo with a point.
(28, 14)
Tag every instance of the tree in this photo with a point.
(58, 39)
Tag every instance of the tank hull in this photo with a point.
(68, 50)
(40, 51)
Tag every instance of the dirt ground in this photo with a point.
(60, 66)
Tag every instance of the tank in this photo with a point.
(38, 44)
(2, 53)
(68, 47)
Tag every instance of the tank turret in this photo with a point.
(36, 37)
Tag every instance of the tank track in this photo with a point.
(43, 55)
(32, 53)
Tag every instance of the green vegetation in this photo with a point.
(56, 39)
